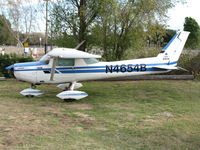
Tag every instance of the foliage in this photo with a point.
(155, 34)
(34, 38)
(7, 60)
(168, 36)
(124, 27)
(5, 35)
(144, 53)
(74, 17)
(190, 63)
(113, 26)
(22, 14)
(64, 40)
(194, 38)
(194, 67)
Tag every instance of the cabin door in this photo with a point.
(64, 71)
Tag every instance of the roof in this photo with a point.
(70, 53)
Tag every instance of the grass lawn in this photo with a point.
(115, 116)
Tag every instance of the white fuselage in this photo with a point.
(38, 72)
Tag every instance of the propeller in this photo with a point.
(79, 45)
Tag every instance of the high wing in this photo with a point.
(67, 53)
(70, 53)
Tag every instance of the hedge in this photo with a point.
(7, 60)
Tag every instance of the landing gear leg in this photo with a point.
(33, 86)
(71, 86)
(70, 94)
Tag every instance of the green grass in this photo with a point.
(139, 115)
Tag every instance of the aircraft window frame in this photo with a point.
(45, 59)
(63, 63)
(90, 61)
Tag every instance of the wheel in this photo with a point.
(29, 95)
(69, 100)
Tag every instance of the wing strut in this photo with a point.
(53, 68)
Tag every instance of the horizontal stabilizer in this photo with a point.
(170, 68)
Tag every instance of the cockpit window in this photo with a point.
(45, 59)
(90, 60)
(65, 62)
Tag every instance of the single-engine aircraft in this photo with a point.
(67, 67)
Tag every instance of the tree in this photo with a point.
(168, 36)
(5, 35)
(114, 26)
(194, 38)
(126, 23)
(155, 34)
(73, 18)
(22, 16)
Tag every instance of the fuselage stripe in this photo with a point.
(95, 68)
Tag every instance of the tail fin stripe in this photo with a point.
(168, 44)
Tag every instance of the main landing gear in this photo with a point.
(70, 94)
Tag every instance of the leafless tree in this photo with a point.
(23, 15)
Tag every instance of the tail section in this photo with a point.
(172, 51)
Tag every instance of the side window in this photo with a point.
(90, 60)
(65, 62)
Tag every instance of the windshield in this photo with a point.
(45, 59)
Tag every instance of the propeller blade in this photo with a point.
(79, 45)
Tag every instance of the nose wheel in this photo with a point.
(31, 92)
(33, 86)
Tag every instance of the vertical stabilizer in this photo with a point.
(172, 51)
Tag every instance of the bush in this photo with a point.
(7, 60)
(194, 67)
(190, 63)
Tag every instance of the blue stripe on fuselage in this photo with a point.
(30, 64)
(92, 71)
(69, 69)
(104, 70)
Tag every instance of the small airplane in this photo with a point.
(66, 67)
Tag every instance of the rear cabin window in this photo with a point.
(65, 62)
(90, 60)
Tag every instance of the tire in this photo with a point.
(69, 100)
